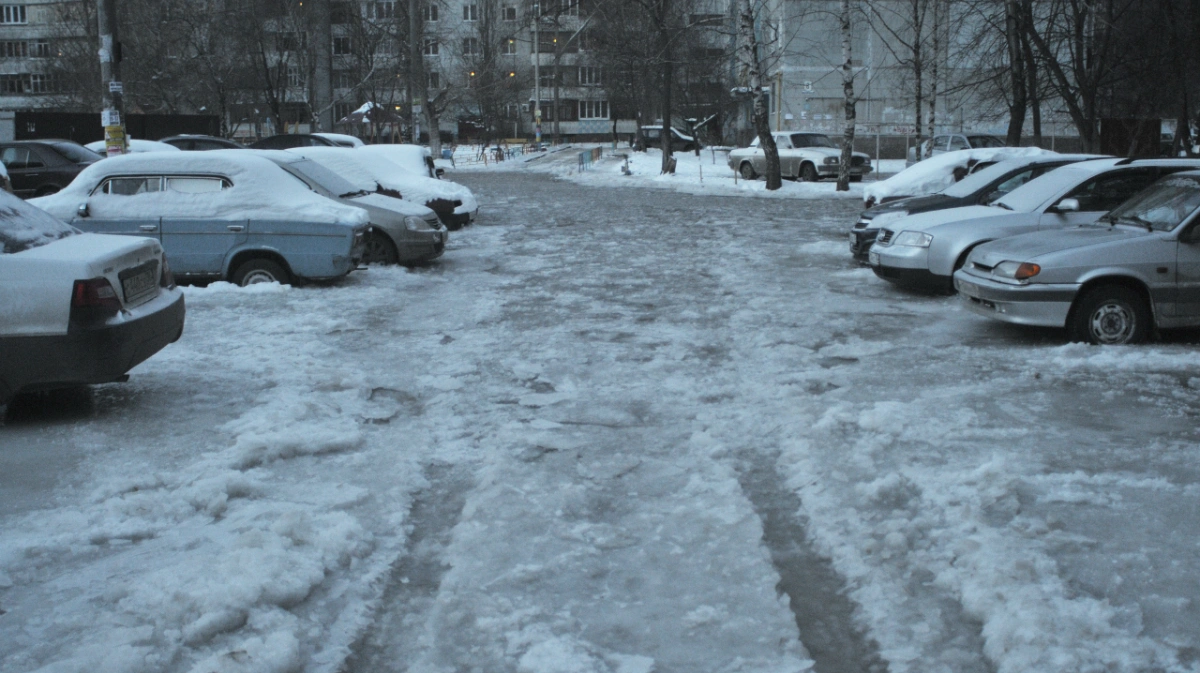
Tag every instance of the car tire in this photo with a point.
(808, 173)
(1110, 315)
(855, 178)
(747, 171)
(260, 270)
(379, 249)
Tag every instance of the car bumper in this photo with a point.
(99, 354)
(422, 248)
(832, 170)
(861, 241)
(907, 266)
(1034, 304)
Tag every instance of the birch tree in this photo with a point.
(750, 60)
(849, 97)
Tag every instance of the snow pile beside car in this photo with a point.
(937, 173)
(260, 190)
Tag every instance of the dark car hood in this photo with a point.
(913, 204)
(1026, 247)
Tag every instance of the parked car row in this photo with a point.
(1108, 248)
(88, 292)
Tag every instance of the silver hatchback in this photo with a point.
(1111, 282)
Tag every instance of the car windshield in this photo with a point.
(76, 153)
(1160, 207)
(1031, 195)
(811, 140)
(324, 177)
(980, 180)
(23, 226)
(985, 141)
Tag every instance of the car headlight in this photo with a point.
(829, 161)
(916, 239)
(885, 218)
(1016, 270)
(414, 223)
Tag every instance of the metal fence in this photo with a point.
(588, 157)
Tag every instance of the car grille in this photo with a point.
(884, 237)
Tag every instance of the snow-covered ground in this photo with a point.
(609, 432)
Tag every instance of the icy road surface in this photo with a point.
(613, 430)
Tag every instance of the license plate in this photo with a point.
(873, 258)
(139, 284)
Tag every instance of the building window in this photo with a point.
(342, 79)
(381, 10)
(430, 12)
(341, 46)
(435, 82)
(568, 7)
(509, 13)
(472, 77)
(548, 78)
(431, 46)
(593, 109)
(342, 110)
(589, 76)
(509, 46)
(13, 14)
(13, 84)
(41, 83)
(470, 12)
(294, 78)
(14, 49)
(39, 49)
(470, 46)
(291, 41)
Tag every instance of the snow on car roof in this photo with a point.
(260, 189)
(409, 157)
(937, 173)
(370, 170)
(341, 139)
(136, 146)
(23, 226)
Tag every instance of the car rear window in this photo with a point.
(76, 153)
(23, 226)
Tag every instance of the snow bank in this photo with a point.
(260, 190)
(937, 173)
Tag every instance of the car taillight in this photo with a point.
(96, 293)
(166, 279)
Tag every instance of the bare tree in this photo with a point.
(850, 100)
(750, 59)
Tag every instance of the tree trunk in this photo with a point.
(1013, 28)
(850, 102)
(752, 66)
(935, 46)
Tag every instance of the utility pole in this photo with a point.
(416, 70)
(113, 115)
(322, 90)
(537, 78)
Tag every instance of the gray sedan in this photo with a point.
(923, 251)
(1111, 282)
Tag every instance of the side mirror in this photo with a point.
(1067, 206)
(439, 172)
(82, 210)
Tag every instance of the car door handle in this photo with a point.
(236, 227)
(148, 227)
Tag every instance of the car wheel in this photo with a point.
(747, 171)
(808, 173)
(1108, 315)
(260, 271)
(855, 178)
(379, 249)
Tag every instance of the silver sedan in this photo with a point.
(923, 251)
(1112, 282)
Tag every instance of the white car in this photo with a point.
(399, 171)
(78, 308)
(802, 156)
(136, 146)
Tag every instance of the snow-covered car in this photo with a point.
(40, 167)
(430, 190)
(923, 251)
(136, 146)
(802, 156)
(939, 173)
(78, 308)
(200, 143)
(950, 142)
(225, 214)
(454, 204)
(979, 188)
(341, 139)
(399, 232)
(1111, 282)
(680, 141)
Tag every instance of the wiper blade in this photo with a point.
(1136, 220)
(1001, 205)
(361, 192)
